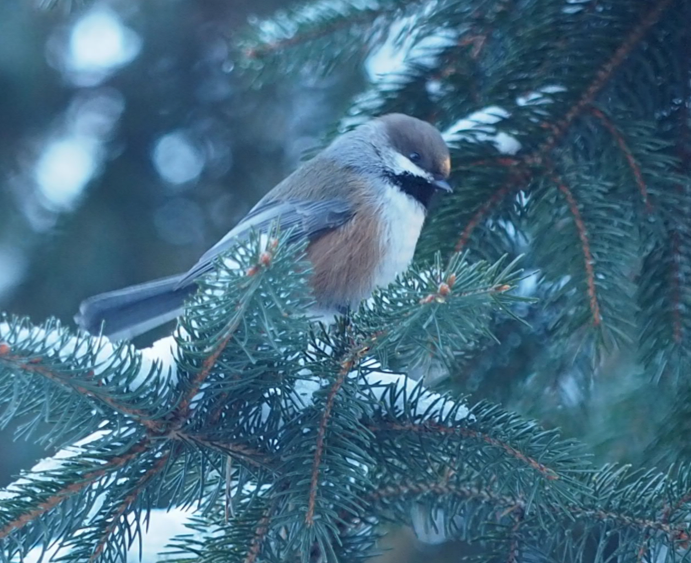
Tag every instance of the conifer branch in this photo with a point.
(561, 126)
(506, 505)
(495, 199)
(678, 327)
(260, 533)
(350, 360)
(441, 489)
(89, 478)
(130, 498)
(585, 245)
(432, 428)
(39, 365)
(514, 543)
(683, 153)
(271, 48)
(183, 410)
(252, 456)
(602, 76)
(479, 37)
(628, 155)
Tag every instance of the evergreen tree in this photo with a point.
(569, 227)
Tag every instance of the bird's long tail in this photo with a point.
(129, 312)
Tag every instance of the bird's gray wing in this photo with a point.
(304, 219)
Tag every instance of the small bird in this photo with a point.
(360, 203)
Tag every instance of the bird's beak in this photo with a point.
(443, 185)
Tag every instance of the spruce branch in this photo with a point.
(628, 154)
(559, 125)
(603, 75)
(26, 507)
(585, 245)
(28, 361)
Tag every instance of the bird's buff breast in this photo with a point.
(368, 252)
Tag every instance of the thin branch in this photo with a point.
(683, 153)
(73, 488)
(302, 38)
(35, 366)
(677, 307)
(129, 499)
(432, 428)
(630, 159)
(240, 451)
(515, 544)
(509, 504)
(603, 75)
(585, 245)
(260, 532)
(561, 127)
(479, 38)
(182, 412)
(443, 488)
(483, 211)
(353, 356)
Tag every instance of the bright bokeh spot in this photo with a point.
(63, 170)
(99, 44)
(177, 159)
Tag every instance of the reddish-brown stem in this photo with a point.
(259, 534)
(406, 489)
(346, 366)
(35, 365)
(74, 488)
(630, 159)
(149, 474)
(677, 325)
(515, 544)
(561, 127)
(482, 212)
(301, 38)
(585, 246)
(429, 427)
(685, 166)
(604, 74)
(515, 505)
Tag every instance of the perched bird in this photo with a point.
(361, 203)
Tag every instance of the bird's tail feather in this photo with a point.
(129, 312)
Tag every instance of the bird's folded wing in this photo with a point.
(304, 220)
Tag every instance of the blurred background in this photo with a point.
(129, 144)
(131, 141)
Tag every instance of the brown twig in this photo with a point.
(685, 165)
(35, 365)
(432, 428)
(298, 39)
(677, 324)
(482, 212)
(515, 545)
(604, 74)
(149, 474)
(585, 246)
(412, 488)
(511, 505)
(346, 366)
(182, 412)
(260, 533)
(74, 488)
(561, 127)
(630, 159)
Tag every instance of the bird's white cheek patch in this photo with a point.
(403, 218)
(403, 165)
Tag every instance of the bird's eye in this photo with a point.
(414, 157)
